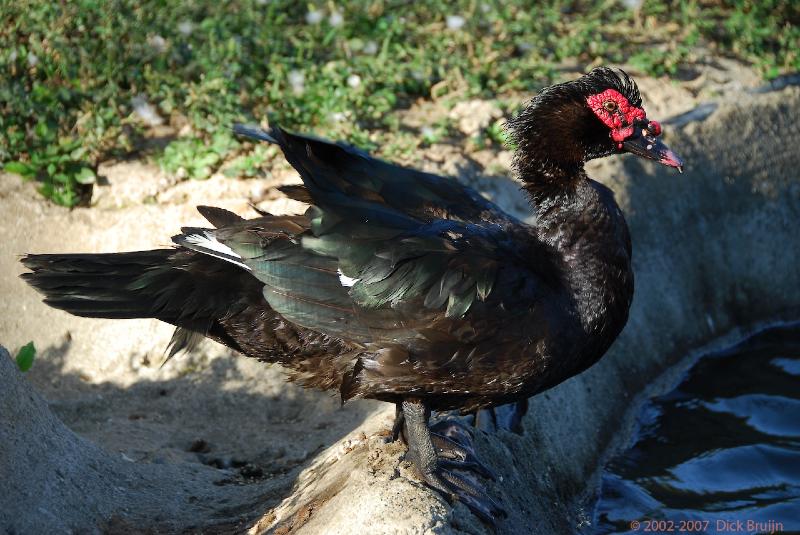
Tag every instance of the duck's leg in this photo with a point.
(436, 457)
(485, 420)
(508, 417)
(452, 441)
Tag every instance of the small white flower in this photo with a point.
(370, 48)
(338, 117)
(262, 2)
(427, 132)
(485, 8)
(186, 27)
(314, 16)
(32, 59)
(145, 111)
(354, 80)
(455, 22)
(297, 79)
(158, 43)
(336, 19)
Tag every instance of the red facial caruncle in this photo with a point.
(619, 115)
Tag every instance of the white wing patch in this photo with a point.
(346, 281)
(206, 242)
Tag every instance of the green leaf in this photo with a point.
(19, 168)
(201, 173)
(43, 132)
(85, 176)
(207, 159)
(65, 197)
(25, 357)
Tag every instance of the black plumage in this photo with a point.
(400, 285)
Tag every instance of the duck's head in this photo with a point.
(597, 115)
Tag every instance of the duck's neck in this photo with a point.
(550, 185)
(550, 168)
(580, 219)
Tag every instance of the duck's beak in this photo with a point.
(644, 142)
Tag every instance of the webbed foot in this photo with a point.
(445, 459)
(453, 443)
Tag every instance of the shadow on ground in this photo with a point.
(162, 467)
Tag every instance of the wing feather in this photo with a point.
(398, 249)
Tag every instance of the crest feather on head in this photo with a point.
(596, 81)
(559, 126)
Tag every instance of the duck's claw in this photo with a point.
(453, 445)
(464, 488)
(444, 457)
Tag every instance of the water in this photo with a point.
(720, 453)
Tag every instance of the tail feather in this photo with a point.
(195, 292)
(95, 285)
(254, 132)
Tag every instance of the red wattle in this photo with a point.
(621, 134)
(625, 114)
(654, 127)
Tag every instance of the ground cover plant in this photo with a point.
(88, 80)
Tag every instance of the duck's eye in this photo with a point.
(610, 105)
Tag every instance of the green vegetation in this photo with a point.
(25, 357)
(74, 72)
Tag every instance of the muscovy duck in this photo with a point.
(404, 286)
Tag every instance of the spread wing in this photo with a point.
(383, 252)
(355, 174)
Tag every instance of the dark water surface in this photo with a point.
(720, 453)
